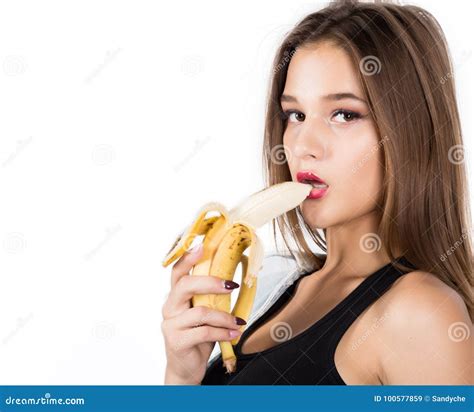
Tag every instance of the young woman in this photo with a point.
(362, 104)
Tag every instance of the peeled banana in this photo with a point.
(225, 239)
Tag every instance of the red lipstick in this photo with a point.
(320, 186)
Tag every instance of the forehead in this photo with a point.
(321, 69)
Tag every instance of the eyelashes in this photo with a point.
(285, 115)
(348, 115)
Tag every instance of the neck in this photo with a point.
(355, 248)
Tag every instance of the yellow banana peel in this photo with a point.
(225, 238)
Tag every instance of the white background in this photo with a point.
(118, 120)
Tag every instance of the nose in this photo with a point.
(309, 138)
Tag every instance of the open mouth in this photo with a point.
(315, 184)
(310, 178)
(319, 186)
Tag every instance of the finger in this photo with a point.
(184, 264)
(179, 298)
(200, 315)
(195, 336)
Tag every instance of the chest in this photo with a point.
(312, 300)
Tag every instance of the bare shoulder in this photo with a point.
(427, 333)
(418, 296)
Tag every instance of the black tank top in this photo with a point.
(308, 357)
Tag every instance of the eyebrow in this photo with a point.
(332, 96)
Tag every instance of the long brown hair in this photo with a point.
(406, 74)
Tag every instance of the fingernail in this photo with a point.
(196, 249)
(233, 333)
(240, 321)
(229, 284)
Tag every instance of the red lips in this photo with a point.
(308, 177)
(311, 178)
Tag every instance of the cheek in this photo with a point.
(356, 186)
(357, 167)
(366, 177)
(289, 149)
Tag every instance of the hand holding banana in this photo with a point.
(225, 239)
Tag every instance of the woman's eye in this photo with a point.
(346, 116)
(293, 116)
(340, 116)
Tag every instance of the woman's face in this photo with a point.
(331, 134)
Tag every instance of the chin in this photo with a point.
(316, 221)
